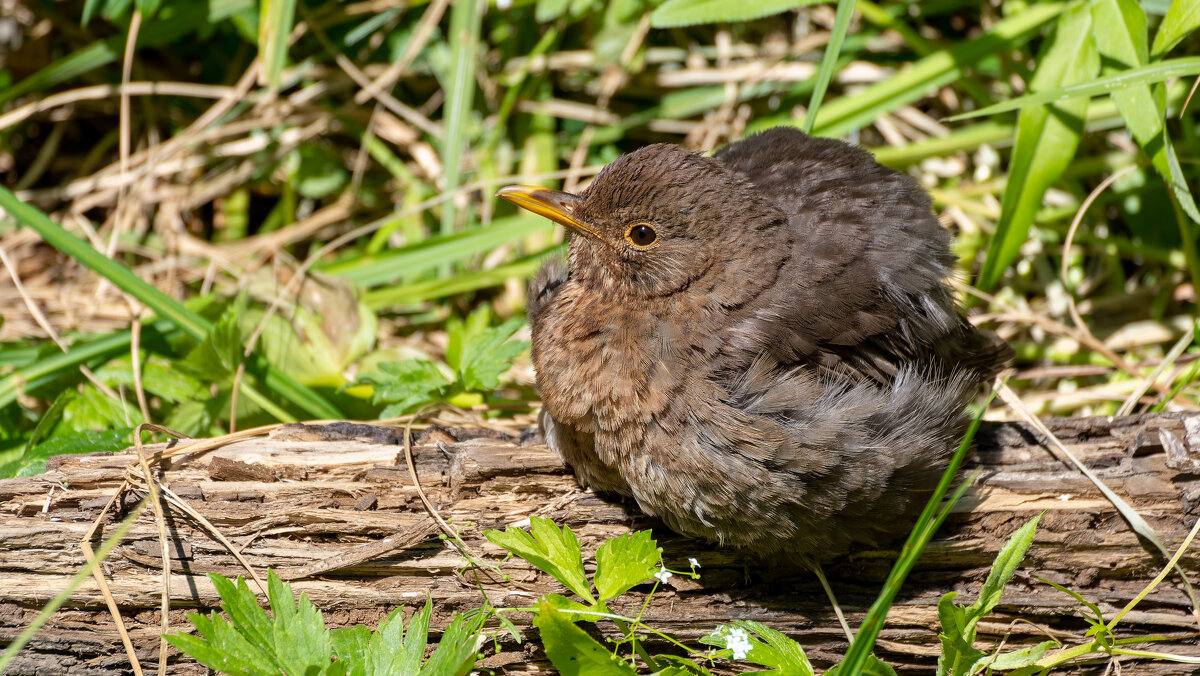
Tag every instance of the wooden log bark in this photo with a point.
(344, 520)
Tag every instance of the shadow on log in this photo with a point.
(344, 521)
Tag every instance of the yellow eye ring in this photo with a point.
(641, 236)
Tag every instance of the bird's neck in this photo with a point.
(602, 364)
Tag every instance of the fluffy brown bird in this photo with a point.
(759, 347)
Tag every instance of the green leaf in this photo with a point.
(680, 666)
(405, 386)
(480, 354)
(845, 9)
(572, 651)
(275, 21)
(959, 656)
(33, 462)
(938, 69)
(1181, 20)
(455, 654)
(91, 409)
(552, 551)
(873, 667)
(675, 13)
(548, 10)
(624, 562)
(223, 648)
(177, 313)
(349, 645)
(466, 22)
(575, 610)
(241, 605)
(1120, 36)
(1077, 596)
(1003, 568)
(390, 651)
(1156, 72)
(216, 358)
(1024, 657)
(300, 638)
(1046, 139)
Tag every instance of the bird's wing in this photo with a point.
(865, 290)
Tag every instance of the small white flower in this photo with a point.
(693, 562)
(739, 642)
(663, 575)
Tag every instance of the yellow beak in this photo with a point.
(557, 206)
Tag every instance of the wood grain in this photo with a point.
(343, 520)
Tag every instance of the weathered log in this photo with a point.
(344, 520)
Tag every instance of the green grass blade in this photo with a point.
(165, 306)
(1150, 74)
(1047, 137)
(425, 255)
(1121, 39)
(466, 21)
(927, 524)
(440, 288)
(45, 369)
(275, 21)
(845, 10)
(678, 13)
(940, 68)
(1183, 18)
(173, 22)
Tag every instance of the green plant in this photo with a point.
(476, 356)
(293, 639)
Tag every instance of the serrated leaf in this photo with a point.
(480, 354)
(959, 656)
(406, 385)
(775, 650)
(1003, 568)
(390, 651)
(572, 651)
(624, 562)
(91, 409)
(349, 645)
(216, 358)
(680, 666)
(1047, 137)
(300, 638)
(223, 648)
(552, 551)
(455, 654)
(33, 462)
(241, 605)
(1182, 19)
(1022, 658)
(675, 13)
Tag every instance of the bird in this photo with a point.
(759, 347)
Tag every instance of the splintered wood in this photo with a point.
(344, 522)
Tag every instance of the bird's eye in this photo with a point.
(641, 235)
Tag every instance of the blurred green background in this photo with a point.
(286, 212)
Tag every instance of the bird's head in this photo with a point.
(656, 222)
